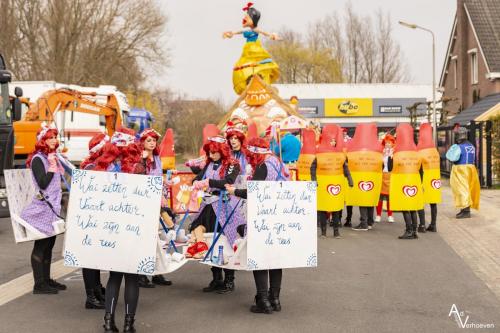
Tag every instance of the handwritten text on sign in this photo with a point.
(281, 225)
(112, 221)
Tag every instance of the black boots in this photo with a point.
(109, 323)
(432, 228)
(160, 280)
(421, 228)
(262, 304)
(228, 285)
(217, 283)
(323, 228)
(44, 288)
(274, 299)
(92, 301)
(128, 326)
(464, 213)
(144, 282)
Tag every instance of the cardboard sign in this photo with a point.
(281, 229)
(182, 196)
(20, 193)
(112, 221)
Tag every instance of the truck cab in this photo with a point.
(9, 111)
(139, 120)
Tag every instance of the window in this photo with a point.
(473, 67)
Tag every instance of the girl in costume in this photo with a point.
(364, 155)
(330, 170)
(266, 167)
(406, 187)
(388, 143)
(431, 178)
(254, 59)
(121, 154)
(152, 163)
(45, 207)
(235, 136)
(92, 277)
(220, 169)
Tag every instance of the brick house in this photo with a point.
(472, 66)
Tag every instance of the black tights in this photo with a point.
(91, 278)
(41, 258)
(131, 291)
(434, 212)
(349, 213)
(265, 278)
(410, 217)
(322, 217)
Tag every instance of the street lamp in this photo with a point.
(434, 122)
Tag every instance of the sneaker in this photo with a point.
(336, 233)
(377, 218)
(370, 227)
(361, 227)
(390, 219)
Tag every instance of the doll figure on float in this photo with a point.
(254, 58)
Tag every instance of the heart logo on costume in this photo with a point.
(436, 183)
(365, 186)
(333, 189)
(410, 191)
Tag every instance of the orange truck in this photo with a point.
(78, 116)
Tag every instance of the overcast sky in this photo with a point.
(201, 61)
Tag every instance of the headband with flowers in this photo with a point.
(258, 150)
(45, 129)
(120, 139)
(218, 139)
(149, 131)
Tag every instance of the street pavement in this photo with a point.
(365, 282)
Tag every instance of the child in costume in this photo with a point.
(220, 169)
(431, 177)
(45, 207)
(406, 187)
(330, 170)
(464, 180)
(388, 143)
(92, 277)
(266, 167)
(254, 59)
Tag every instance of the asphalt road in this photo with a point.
(365, 282)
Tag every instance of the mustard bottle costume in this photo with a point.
(307, 154)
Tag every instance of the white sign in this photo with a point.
(112, 221)
(21, 192)
(281, 225)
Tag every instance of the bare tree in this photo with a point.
(87, 42)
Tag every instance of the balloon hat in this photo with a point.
(308, 142)
(365, 138)
(331, 132)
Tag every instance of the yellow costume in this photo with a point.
(307, 154)
(431, 181)
(254, 60)
(464, 183)
(332, 184)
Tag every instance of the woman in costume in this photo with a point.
(266, 167)
(92, 277)
(254, 59)
(152, 163)
(235, 136)
(464, 180)
(406, 187)
(122, 154)
(388, 143)
(330, 170)
(45, 207)
(431, 178)
(220, 169)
